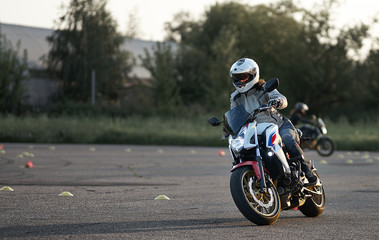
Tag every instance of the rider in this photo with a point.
(249, 93)
(298, 113)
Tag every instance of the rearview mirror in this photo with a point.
(214, 121)
(271, 85)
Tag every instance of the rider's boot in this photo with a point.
(312, 179)
(296, 154)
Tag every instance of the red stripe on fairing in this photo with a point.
(272, 139)
(254, 164)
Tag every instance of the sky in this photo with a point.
(152, 14)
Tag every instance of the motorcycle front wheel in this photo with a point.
(325, 146)
(259, 208)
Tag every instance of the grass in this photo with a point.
(362, 136)
(131, 130)
(156, 131)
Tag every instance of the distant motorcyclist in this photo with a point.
(249, 92)
(297, 114)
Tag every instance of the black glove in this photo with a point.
(274, 102)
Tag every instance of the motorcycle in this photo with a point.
(314, 137)
(264, 180)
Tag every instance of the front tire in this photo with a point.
(325, 146)
(259, 208)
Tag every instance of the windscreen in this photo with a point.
(235, 118)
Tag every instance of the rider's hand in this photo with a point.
(274, 102)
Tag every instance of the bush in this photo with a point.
(156, 130)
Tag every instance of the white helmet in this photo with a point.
(245, 74)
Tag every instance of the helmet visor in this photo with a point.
(241, 79)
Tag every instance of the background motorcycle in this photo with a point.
(314, 137)
(264, 181)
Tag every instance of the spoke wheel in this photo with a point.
(315, 205)
(325, 146)
(259, 208)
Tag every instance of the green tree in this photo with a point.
(367, 85)
(191, 60)
(228, 32)
(13, 70)
(164, 83)
(309, 56)
(87, 40)
(323, 74)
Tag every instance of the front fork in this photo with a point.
(262, 174)
(260, 165)
(258, 169)
(257, 166)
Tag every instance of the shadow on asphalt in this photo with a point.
(122, 227)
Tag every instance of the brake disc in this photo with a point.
(255, 194)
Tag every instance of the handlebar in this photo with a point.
(260, 109)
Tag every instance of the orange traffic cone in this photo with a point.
(221, 153)
(29, 164)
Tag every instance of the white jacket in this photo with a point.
(253, 99)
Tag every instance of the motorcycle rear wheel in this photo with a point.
(315, 205)
(325, 146)
(259, 208)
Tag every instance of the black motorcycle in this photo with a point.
(314, 137)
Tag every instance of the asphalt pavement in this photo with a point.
(114, 188)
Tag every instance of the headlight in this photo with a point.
(324, 131)
(237, 143)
